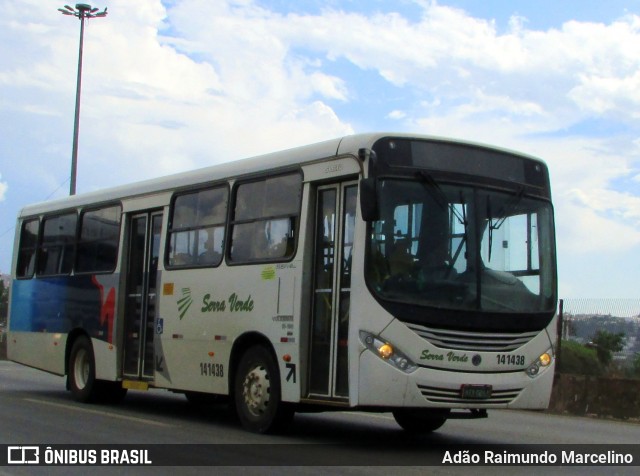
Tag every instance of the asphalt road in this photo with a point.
(35, 408)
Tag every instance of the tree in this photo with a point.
(606, 343)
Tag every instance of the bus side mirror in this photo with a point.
(368, 200)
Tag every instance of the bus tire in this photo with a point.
(257, 395)
(420, 421)
(82, 371)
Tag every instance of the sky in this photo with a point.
(175, 85)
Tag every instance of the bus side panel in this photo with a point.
(192, 347)
(45, 310)
(43, 351)
(204, 312)
(106, 359)
(60, 304)
(187, 362)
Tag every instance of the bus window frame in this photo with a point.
(170, 229)
(81, 215)
(43, 221)
(23, 223)
(232, 222)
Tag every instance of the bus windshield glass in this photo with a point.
(461, 247)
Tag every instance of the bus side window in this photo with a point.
(266, 213)
(28, 246)
(98, 242)
(280, 240)
(56, 252)
(196, 228)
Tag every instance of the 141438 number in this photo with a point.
(209, 369)
(509, 359)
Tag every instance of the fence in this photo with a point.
(593, 307)
(580, 319)
(602, 395)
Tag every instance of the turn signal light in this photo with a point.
(543, 361)
(387, 352)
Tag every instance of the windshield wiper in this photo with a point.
(507, 208)
(440, 197)
(433, 188)
(464, 223)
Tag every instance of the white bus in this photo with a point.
(376, 272)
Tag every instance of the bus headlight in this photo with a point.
(387, 352)
(543, 361)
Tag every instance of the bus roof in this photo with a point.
(233, 169)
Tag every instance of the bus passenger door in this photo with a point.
(334, 226)
(140, 308)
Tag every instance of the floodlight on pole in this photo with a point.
(81, 11)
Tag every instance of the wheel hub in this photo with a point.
(256, 390)
(81, 369)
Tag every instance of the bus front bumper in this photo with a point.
(381, 384)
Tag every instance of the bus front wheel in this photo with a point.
(420, 421)
(257, 395)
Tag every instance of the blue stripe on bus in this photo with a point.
(59, 304)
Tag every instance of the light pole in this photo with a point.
(81, 11)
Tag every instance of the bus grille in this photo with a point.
(452, 395)
(472, 341)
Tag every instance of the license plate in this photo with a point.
(475, 392)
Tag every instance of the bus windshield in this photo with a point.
(461, 247)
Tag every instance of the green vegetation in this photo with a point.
(580, 360)
(606, 343)
(595, 358)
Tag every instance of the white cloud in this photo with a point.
(177, 85)
(602, 95)
(238, 69)
(585, 231)
(328, 86)
(396, 115)
(3, 189)
(622, 205)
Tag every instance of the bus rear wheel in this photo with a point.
(257, 395)
(420, 421)
(82, 380)
(82, 371)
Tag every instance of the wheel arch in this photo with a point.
(240, 346)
